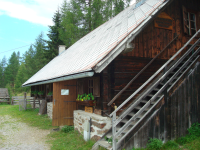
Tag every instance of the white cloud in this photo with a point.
(35, 11)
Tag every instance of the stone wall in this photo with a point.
(50, 109)
(99, 125)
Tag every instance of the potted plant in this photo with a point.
(86, 99)
(34, 93)
(50, 94)
(40, 93)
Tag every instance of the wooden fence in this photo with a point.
(5, 100)
(24, 101)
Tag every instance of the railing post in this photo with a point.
(114, 132)
(25, 101)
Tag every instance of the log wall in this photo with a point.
(172, 117)
(148, 44)
(152, 40)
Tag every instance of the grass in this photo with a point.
(189, 142)
(71, 140)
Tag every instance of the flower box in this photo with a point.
(86, 103)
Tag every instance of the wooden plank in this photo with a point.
(145, 54)
(168, 121)
(173, 117)
(190, 100)
(195, 93)
(184, 109)
(136, 50)
(150, 36)
(141, 47)
(179, 110)
(161, 40)
(154, 42)
(198, 100)
(158, 49)
(162, 118)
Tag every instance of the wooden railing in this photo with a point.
(165, 73)
(135, 77)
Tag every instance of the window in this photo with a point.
(189, 21)
(89, 85)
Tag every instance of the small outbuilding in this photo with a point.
(4, 95)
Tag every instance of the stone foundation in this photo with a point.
(50, 109)
(99, 125)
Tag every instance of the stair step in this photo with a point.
(105, 144)
(131, 114)
(124, 120)
(139, 107)
(144, 101)
(151, 95)
(156, 89)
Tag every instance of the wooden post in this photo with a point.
(34, 102)
(25, 102)
(12, 103)
(114, 132)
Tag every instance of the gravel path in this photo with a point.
(15, 135)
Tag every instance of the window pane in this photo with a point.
(187, 14)
(188, 30)
(193, 25)
(187, 23)
(192, 17)
(193, 32)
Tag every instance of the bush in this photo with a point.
(194, 129)
(154, 144)
(67, 129)
(170, 144)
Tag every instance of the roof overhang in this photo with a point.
(70, 77)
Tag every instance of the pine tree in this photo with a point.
(11, 70)
(21, 77)
(54, 39)
(39, 57)
(97, 13)
(30, 62)
(71, 23)
(1, 76)
(3, 65)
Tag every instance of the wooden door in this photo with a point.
(64, 105)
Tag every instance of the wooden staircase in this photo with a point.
(139, 110)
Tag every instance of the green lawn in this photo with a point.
(74, 141)
(58, 140)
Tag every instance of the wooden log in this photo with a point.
(25, 101)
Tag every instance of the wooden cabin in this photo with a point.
(131, 66)
(4, 95)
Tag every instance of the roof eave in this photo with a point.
(69, 77)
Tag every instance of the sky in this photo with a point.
(21, 21)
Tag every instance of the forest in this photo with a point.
(72, 20)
